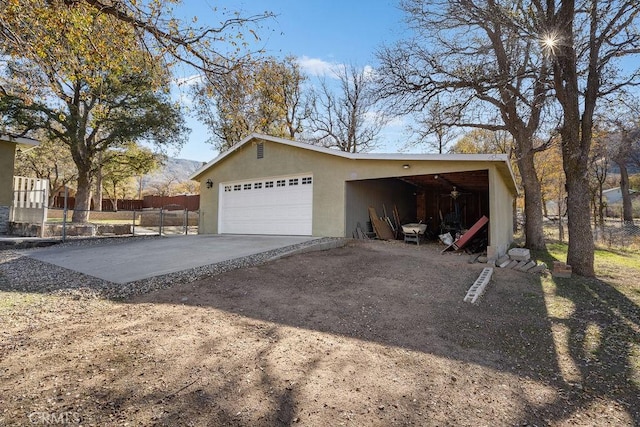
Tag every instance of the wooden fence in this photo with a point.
(30, 197)
(188, 202)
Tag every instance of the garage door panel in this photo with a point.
(281, 205)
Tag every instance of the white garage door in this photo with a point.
(282, 205)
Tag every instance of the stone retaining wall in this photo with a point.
(145, 218)
(55, 230)
(169, 218)
(95, 215)
(4, 219)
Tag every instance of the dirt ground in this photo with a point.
(375, 333)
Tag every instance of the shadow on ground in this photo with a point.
(373, 333)
(412, 298)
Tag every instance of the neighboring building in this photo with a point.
(269, 185)
(614, 195)
(8, 147)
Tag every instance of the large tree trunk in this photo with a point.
(601, 206)
(534, 234)
(83, 198)
(576, 141)
(574, 161)
(114, 200)
(581, 247)
(98, 194)
(575, 153)
(627, 209)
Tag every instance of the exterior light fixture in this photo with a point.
(209, 183)
(454, 193)
(405, 166)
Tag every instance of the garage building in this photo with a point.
(269, 185)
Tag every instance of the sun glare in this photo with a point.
(550, 42)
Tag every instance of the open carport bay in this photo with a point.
(445, 202)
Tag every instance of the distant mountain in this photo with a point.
(633, 166)
(173, 172)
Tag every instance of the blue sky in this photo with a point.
(320, 33)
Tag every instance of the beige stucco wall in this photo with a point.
(501, 208)
(7, 156)
(328, 188)
(329, 176)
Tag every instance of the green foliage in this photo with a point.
(262, 96)
(120, 166)
(50, 160)
(483, 141)
(148, 24)
(78, 77)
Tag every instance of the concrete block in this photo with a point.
(520, 264)
(538, 268)
(511, 264)
(479, 285)
(528, 266)
(504, 264)
(503, 259)
(519, 254)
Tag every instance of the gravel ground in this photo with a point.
(25, 274)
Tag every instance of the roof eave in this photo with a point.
(20, 140)
(500, 158)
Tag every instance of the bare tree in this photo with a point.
(585, 40)
(478, 61)
(623, 147)
(432, 127)
(622, 142)
(260, 96)
(345, 118)
(599, 164)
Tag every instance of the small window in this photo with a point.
(306, 180)
(268, 184)
(227, 188)
(257, 185)
(247, 187)
(281, 183)
(293, 181)
(237, 187)
(260, 150)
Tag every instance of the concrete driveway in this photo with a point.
(134, 259)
